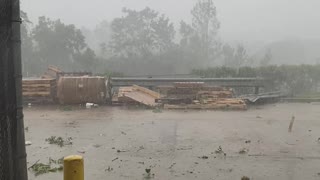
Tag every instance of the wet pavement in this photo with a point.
(120, 143)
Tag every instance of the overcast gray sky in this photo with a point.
(241, 20)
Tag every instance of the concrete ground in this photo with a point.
(119, 143)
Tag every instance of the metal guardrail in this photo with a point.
(153, 82)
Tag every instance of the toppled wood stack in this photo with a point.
(52, 72)
(137, 94)
(196, 95)
(39, 90)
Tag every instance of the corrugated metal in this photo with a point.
(78, 90)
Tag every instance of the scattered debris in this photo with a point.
(115, 159)
(140, 148)
(184, 148)
(28, 143)
(89, 105)
(243, 151)
(204, 157)
(248, 141)
(26, 129)
(97, 145)
(219, 150)
(245, 178)
(148, 174)
(123, 133)
(109, 169)
(148, 171)
(172, 165)
(59, 141)
(52, 166)
(291, 124)
(120, 151)
(82, 152)
(258, 117)
(141, 162)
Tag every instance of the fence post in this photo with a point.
(73, 168)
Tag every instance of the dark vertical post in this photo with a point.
(256, 90)
(15, 98)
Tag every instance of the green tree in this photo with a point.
(266, 59)
(28, 62)
(87, 60)
(235, 57)
(98, 37)
(141, 34)
(103, 49)
(199, 40)
(57, 43)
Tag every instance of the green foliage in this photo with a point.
(141, 34)
(295, 78)
(113, 74)
(59, 141)
(199, 40)
(52, 166)
(52, 42)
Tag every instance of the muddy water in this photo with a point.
(181, 145)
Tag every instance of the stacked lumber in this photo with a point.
(214, 94)
(218, 105)
(137, 95)
(39, 90)
(186, 92)
(196, 95)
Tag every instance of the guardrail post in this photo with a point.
(73, 168)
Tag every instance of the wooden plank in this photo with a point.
(137, 94)
(36, 94)
(37, 81)
(147, 91)
(54, 69)
(35, 85)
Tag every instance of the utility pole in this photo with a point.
(13, 164)
(18, 144)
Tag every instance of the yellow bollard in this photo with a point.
(73, 168)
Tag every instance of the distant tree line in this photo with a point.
(296, 79)
(139, 42)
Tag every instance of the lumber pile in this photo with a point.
(136, 95)
(195, 95)
(39, 90)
